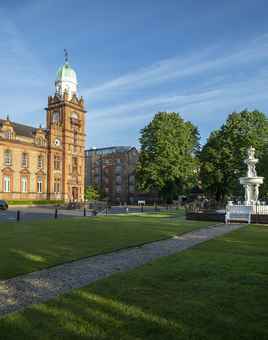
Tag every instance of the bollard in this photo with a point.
(142, 208)
(56, 213)
(85, 212)
(18, 215)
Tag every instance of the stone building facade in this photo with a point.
(112, 170)
(46, 163)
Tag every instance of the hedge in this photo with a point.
(34, 202)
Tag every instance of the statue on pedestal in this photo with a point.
(252, 182)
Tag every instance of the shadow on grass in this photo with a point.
(85, 315)
(215, 291)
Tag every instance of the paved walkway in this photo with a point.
(21, 291)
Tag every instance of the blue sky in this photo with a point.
(203, 59)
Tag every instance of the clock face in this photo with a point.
(57, 142)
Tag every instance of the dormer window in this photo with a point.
(40, 141)
(8, 134)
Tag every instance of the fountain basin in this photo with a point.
(251, 180)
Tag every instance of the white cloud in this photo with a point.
(155, 102)
(178, 67)
(203, 109)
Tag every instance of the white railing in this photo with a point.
(260, 209)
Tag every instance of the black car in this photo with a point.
(3, 205)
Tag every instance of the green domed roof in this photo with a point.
(65, 72)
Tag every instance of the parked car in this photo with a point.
(3, 205)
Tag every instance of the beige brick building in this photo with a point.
(46, 163)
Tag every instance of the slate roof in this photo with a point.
(108, 150)
(20, 129)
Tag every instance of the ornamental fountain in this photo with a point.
(252, 182)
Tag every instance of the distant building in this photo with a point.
(112, 170)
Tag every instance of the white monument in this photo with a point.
(252, 182)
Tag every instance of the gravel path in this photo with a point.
(21, 291)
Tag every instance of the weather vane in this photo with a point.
(65, 55)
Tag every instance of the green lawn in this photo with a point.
(30, 246)
(218, 290)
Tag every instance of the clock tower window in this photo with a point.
(55, 117)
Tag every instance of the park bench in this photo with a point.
(241, 213)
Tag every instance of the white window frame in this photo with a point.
(57, 185)
(39, 184)
(24, 183)
(7, 157)
(7, 182)
(24, 160)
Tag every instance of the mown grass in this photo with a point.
(215, 291)
(33, 245)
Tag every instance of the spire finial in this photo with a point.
(65, 55)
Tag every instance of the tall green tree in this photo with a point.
(167, 162)
(222, 157)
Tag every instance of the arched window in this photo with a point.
(74, 115)
(74, 119)
(7, 158)
(56, 117)
(39, 184)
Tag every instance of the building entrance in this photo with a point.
(75, 193)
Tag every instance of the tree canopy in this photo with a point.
(167, 162)
(91, 194)
(221, 158)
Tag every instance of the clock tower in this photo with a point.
(66, 138)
